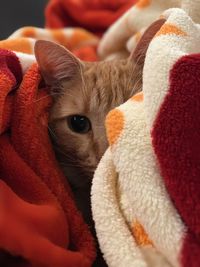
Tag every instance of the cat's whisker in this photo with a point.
(83, 83)
(94, 97)
(41, 98)
(68, 157)
(134, 90)
(52, 133)
(70, 165)
(135, 87)
(72, 162)
(138, 81)
(68, 94)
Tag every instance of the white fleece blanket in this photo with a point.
(140, 213)
(122, 37)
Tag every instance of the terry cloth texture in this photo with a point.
(39, 223)
(125, 33)
(146, 190)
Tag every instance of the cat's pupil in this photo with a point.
(79, 124)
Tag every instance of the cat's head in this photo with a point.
(83, 94)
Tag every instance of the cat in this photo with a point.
(83, 93)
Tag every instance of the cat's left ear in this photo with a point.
(56, 63)
(139, 53)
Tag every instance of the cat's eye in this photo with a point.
(79, 124)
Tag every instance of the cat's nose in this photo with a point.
(114, 125)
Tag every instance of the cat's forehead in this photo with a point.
(108, 83)
(104, 69)
(103, 86)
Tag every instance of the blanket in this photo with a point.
(153, 149)
(146, 190)
(78, 40)
(124, 34)
(39, 223)
(93, 15)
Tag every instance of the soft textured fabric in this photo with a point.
(81, 42)
(93, 15)
(39, 223)
(145, 193)
(145, 190)
(125, 33)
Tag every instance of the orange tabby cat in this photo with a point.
(83, 94)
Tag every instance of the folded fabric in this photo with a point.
(146, 190)
(93, 15)
(81, 42)
(125, 33)
(39, 223)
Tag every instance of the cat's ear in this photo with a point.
(56, 63)
(139, 53)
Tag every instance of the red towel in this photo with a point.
(39, 222)
(93, 15)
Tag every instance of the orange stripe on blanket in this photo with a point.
(81, 37)
(143, 3)
(19, 45)
(137, 36)
(29, 32)
(138, 97)
(169, 28)
(114, 125)
(140, 235)
(59, 36)
(77, 38)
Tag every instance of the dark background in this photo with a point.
(18, 13)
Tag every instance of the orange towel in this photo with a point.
(39, 223)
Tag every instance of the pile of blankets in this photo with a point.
(146, 189)
(93, 15)
(39, 221)
(145, 193)
(40, 224)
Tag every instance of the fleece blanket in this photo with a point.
(78, 40)
(39, 223)
(125, 33)
(146, 190)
